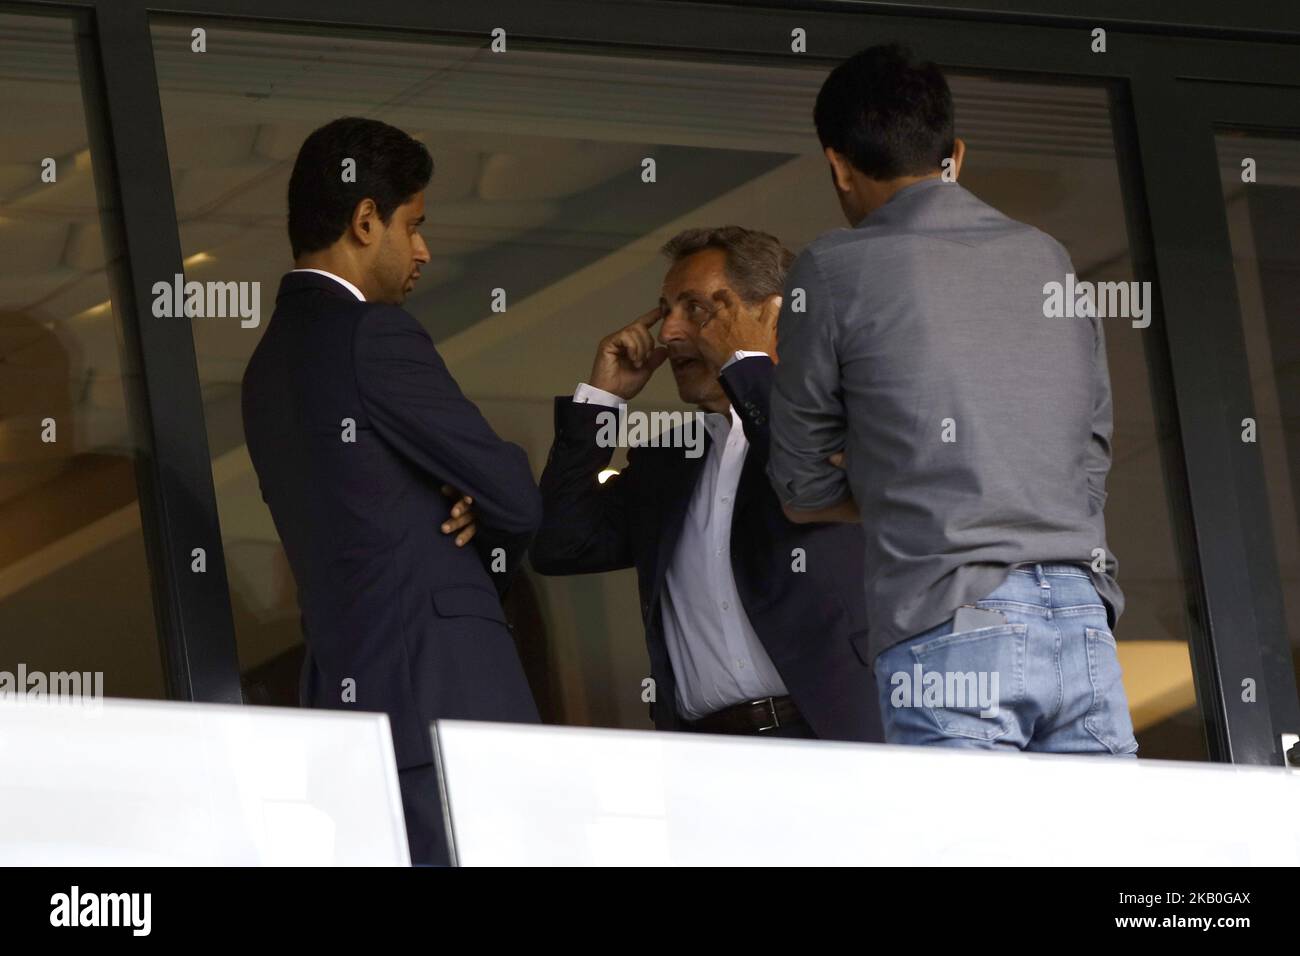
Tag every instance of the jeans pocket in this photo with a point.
(1108, 719)
(972, 682)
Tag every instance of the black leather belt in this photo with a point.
(749, 717)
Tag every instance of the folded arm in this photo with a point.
(807, 408)
(415, 405)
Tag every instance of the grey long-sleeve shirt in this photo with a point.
(977, 431)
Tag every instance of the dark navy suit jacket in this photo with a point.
(395, 616)
(811, 623)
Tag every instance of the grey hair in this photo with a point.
(756, 261)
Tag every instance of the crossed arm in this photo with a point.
(809, 430)
(414, 403)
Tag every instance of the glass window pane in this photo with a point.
(1262, 217)
(538, 190)
(74, 583)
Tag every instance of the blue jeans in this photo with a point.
(1048, 679)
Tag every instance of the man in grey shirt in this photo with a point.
(922, 391)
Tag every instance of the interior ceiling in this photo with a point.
(522, 142)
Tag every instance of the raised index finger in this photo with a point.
(649, 318)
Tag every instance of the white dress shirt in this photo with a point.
(346, 284)
(717, 658)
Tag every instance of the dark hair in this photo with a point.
(391, 167)
(889, 115)
(756, 261)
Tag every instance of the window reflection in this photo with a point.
(74, 583)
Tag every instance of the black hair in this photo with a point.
(391, 167)
(888, 114)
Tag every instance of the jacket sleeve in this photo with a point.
(807, 407)
(748, 384)
(586, 526)
(415, 405)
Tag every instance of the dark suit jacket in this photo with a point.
(388, 601)
(811, 623)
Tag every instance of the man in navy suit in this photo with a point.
(366, 450)
(754, 624)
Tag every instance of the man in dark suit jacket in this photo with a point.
(359, 434)
(754, 624)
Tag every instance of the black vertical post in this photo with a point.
(1212, 390)
(174, 474)
(1209, 689)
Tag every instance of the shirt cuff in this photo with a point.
(741, 355)
(586, 394)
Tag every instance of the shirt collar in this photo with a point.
(719, 425)
(903, 196)
(339, 279)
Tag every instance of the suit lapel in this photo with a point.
(752, 488)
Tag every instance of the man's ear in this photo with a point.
(365, 222)
(958, 154)
(840, 170)
(771, 311)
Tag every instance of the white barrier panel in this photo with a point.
(119, 782)
(567, 796)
